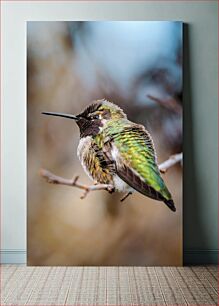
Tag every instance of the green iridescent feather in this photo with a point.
(137, 152)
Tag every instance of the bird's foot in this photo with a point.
(125, 196)
(111, 189)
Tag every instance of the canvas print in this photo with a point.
(104, 134)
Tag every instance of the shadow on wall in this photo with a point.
(192, 223)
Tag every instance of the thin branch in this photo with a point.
(171, 104)
(55, 179)
(174, 159)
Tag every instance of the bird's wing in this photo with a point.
(134, 155)
(94, 162)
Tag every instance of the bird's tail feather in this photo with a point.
(170, 204)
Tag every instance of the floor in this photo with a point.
(23, 285)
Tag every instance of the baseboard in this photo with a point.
(190, 257)
(200, 257)
(13, 256)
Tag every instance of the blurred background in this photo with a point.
(137, 65)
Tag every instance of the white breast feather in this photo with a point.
(115, 153)
(119, 184)
(83, 148)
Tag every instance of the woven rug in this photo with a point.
(79, 286)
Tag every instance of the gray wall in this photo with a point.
(200, 112)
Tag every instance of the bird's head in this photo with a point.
(94, 117)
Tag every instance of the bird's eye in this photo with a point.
(95, 117)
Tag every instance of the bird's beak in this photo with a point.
(69, 116)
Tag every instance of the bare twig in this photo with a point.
(174, 159)
(171, 104)
(54, 179)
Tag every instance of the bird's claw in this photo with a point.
(125, 196)
(111, 189)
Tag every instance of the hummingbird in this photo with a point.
(116, 151)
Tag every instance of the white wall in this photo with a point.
(202, 40)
